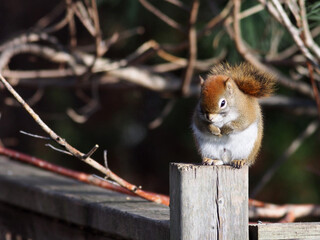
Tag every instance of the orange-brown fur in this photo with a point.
(212, 89)
(241, 86)
(250, 80)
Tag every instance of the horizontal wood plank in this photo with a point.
(282, 231)
(82, 204)
(17, 223)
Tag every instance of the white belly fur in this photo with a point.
(235, 146)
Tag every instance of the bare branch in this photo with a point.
(144, 78)
(299, 106)
(73, 151)
(179, 4)
(178, 63)
(165, 112)
(43, 51)
(72, 24)
(272, 10)
(306, 31)
(28, 38)
(246, 13)
(50, 132)
(314, 86)
(217, 19)
(192, 37)
(83, 15)
(293, 147)
(288, 212)
(254, 60)
(59, 25)
(172, 23)
(86, 111)
(294, 48)
(48, 19)
(295, 33)
(140, 76)
(80, 176)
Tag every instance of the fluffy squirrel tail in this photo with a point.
(250, 80)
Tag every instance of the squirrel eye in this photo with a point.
(222, 103)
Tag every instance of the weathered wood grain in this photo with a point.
(282, 231)
(208, 202)
(85, 205)
(15, 222)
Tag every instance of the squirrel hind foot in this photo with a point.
(211, 162)
(237, 163)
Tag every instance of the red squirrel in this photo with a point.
(227, 123)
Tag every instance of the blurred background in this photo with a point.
(145, 128)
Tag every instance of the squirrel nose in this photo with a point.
(211, 117)
(207, 116)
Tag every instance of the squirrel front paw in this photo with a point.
(237, 163)
(214, 130)
(211, 162)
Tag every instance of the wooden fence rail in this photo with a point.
(83, 208)
(206, 203)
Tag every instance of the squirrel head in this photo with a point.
(217, 97)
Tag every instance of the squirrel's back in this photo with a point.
(249, 80)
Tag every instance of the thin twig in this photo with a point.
(83, 15)
(179, 4)
(59, 25)
(107, 43)
(165, 112)
(246, 13)
(299, 106)
(86, 111)
(288, 212)
(192, 37)
(50, 132)
(217, 19)
(294, 48)
(72, 24)
(92, 151)
(140, 76)
(294, 32)
(96, 22)
(63, 143)
(254, 60)
(293, 147)
(57, 149)
(34, 135)
(178, 63)
(36, 97)
(83, 177)
(162, 16)
(314, 86)
(48, 19)
(306, 31)
(105, 158)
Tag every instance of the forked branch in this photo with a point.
(83, 157)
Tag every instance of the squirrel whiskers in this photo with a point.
(227, 122)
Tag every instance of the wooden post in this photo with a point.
(208, 202)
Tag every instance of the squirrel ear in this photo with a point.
(228, 85)
(201, 81)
